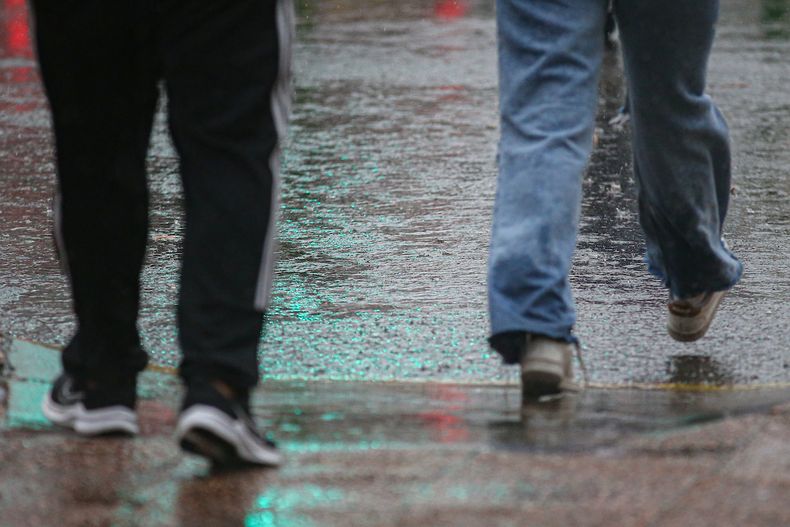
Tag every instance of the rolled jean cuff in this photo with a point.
(723, 280)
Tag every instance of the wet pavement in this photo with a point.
(387, 454)
(389, 179)
(324, 416)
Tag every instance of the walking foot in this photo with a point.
(215, 423)
(92, 411)
(547, 368)
(690, 318)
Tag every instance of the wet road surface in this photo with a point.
(389, 180)
(325, 416)
(405, 454)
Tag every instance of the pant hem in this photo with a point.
(510, 344)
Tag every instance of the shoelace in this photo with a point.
(582, 366)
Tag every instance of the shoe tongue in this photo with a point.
(237, 396)
(223, 389)
(200, 391)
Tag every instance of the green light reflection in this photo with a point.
(277, 506)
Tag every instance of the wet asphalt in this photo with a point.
(389, 179)
(408, 454)
(389, 176)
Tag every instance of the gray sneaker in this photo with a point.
(690, 318)
(547, 367)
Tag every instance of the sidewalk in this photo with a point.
(414, 454)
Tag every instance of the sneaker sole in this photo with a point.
(59, 414)
(104, 421)
(210, 433)
(205, 444)
(689, 329)
(111, 420)
(544, 369)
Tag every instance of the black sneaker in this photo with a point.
(221, 429)
(90, 412)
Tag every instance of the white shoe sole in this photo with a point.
(61, 415)
(109, 420)
(211, 433)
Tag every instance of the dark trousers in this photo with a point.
(225, 67)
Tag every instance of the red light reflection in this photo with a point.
(448, 426)
(450, 9)
(16, 30)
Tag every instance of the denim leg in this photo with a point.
(680, 143)
(549, 57)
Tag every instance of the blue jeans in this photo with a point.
(550, 53)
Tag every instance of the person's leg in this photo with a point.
(94, 61)
(228, 83)
(549, 58)
(680, 142)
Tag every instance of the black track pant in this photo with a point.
(225, 66)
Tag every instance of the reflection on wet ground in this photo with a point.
(326, 416)
(360, 449)
(389, 179)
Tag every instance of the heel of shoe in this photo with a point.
(540, 378)
(546, 367)
(687, 330)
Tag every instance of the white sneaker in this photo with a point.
(690, 318)
(547, 367)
